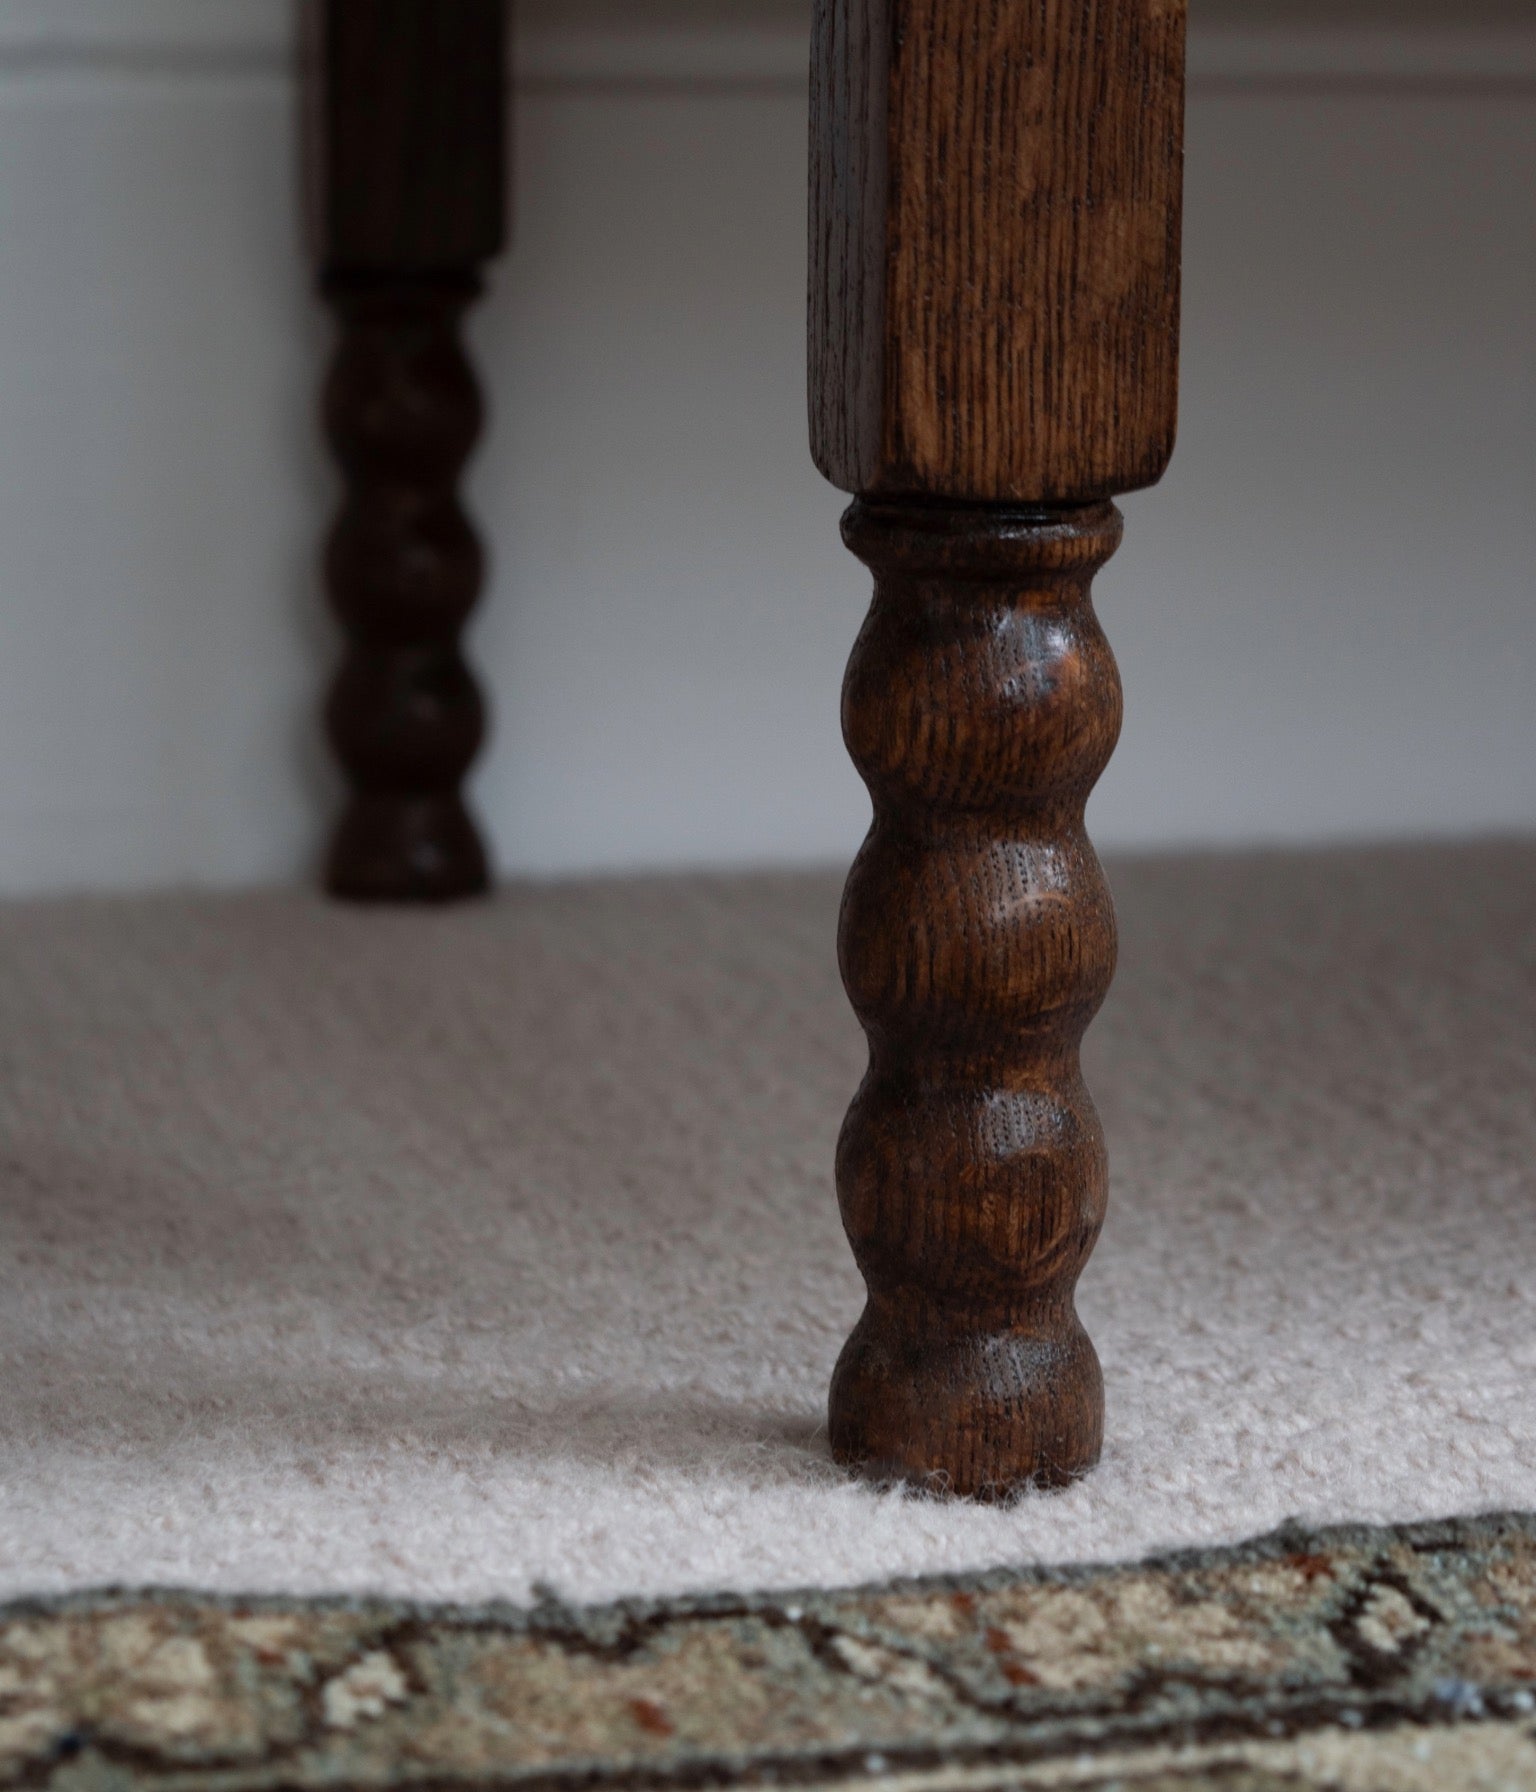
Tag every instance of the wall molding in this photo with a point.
(161, 37)
(256, 37)
(1350, 56)
(1230, 56)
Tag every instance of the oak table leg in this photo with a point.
(409, 168)
(993, 349)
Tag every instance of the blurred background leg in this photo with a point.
(408, 152)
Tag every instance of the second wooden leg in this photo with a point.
(408, 164)
(403, 567)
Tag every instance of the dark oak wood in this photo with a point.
(995, 245)
(408, 174)
(993, 353)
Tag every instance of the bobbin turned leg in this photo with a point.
(409, 166)
(994, 302)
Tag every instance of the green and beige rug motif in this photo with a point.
(1364, 1659)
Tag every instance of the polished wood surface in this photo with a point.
(995, 245)
(408, 177)
(993, 353)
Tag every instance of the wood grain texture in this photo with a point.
(995, 245)
(977, 941)
(408, 166)
(995, 195)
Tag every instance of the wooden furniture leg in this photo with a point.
(409, 167)
(993, 354)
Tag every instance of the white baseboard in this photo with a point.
(754, 46)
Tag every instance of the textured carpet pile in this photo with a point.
(464, 1255)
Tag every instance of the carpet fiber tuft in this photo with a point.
(448, 1256)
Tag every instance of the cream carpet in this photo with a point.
(453, 1255)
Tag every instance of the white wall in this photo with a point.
(1325, 616)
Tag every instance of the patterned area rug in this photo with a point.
(1355, 1658)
